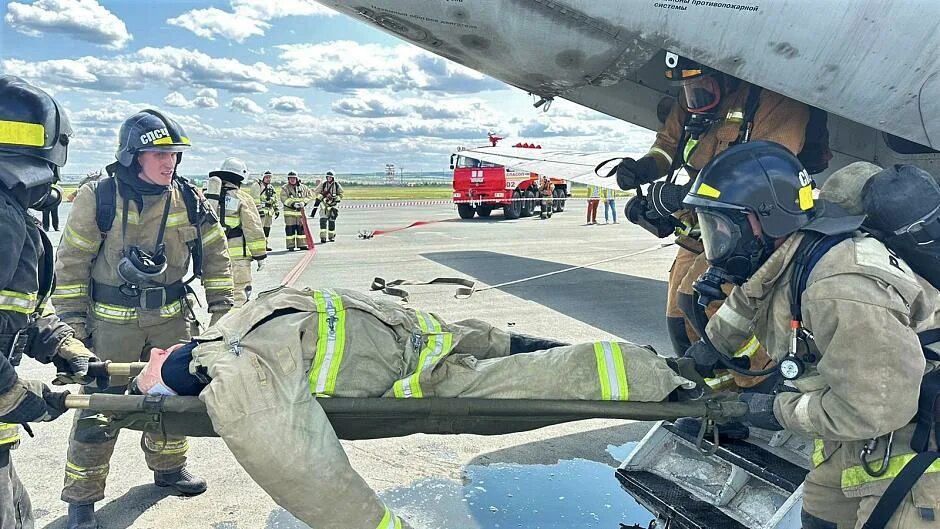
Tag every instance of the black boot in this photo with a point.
(523, 343)
(181, 480)
(82, 517)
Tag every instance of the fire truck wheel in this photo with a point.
(465, 211)
(528, 205)
(484, 211)
(513, 210)
(559, 203)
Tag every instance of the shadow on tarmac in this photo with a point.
(626, 306)
(122, 512)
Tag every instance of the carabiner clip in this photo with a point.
(870, 446)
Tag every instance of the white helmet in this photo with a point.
(233, 170)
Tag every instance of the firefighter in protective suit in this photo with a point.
(294, 196)
(241, 222)
(127, 246)
(266, 202)
(329, 193)
(861, 308)
(34, 137)
(546, 190)
(711, 114)
(309, 344)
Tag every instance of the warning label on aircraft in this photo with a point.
(682, 5)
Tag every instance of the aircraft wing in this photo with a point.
(570, 165)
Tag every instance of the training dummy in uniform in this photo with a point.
(329, 194)
(294, 196)
(34, 137)
(266, 201)
(261, 370)
(838, 312)
(242, 223)
(125, 253)
(713, 112)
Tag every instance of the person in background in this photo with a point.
(52, 213)
(594, 197)
(610, 205)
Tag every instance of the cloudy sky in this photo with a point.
(285, 84)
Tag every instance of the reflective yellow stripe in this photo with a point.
(806, 197)
(855, 476)
(20, 133)
(18, 301)
(749, 349)
(718, 382)
(217, 283)
(292, 213)
(707, 191)
(437, 347)
(133, 217)
(167, 140)
(171, 310)
(818, 452)
(664, 154)
(233, 221)
(180, 218)
(689, 149)
(69, 291)
(127, 314)
(611, 371)
(236, 251)
(735, 115)
(80, 473)
(73, 239)
(389, 520)
(177, 446)
(257, 247)
(9, 433)
(331, 342)
(212, 234)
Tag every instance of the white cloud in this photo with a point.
(173, 67)
(248, 18)
(288, 104)
(342, 66)
(243, 104)
(377, 104)
(83, 20)
(176, 99)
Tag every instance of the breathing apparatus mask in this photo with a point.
(140, 269)
(49, 197)
(699, 92)
(733, 251)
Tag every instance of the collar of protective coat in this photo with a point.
(763, 281)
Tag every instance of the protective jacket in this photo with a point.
(270, 361)
(863, 307)
(291, 197)
(330, 193)
(241, 222)
(87, 260)
(266, 199)
(546, 188)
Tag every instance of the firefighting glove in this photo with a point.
(298, 206)
(40, 404)
(277, 214)
(760, 411)
(71, 362)
(664, 199)
(707, 358)
(632, 173)
(636, 212)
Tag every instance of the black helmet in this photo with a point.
(149, 130)
(700, 91)
(759, 176)
(34, 134)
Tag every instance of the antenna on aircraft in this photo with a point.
(543, 102)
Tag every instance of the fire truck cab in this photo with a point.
(480, 187)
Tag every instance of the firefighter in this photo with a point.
(713, 112)
(34, 137)
(127, 246)
(295, 345)
(546, 190)
(329, 193)
(266, 202)
(241, 221)
(294, 196)
(851, 321)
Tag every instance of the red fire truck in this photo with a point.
(480, 187)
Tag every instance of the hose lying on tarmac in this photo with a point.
(372, 418)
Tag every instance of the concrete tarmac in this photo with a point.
(555, 477)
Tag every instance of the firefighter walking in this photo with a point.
(126, 249)
(329, 193)
(294, 196)
(241, 221)
(546, 190)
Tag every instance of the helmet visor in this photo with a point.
(720, 234)
(700, 94)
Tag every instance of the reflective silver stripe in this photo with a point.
(612, 370)
(732, 317)
(73, 239)
(18, 301)
(213, 234)
(664, 154)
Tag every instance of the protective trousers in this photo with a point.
(328, 223)
(295, 235)
(546, 208)
(16, 512)
(87, 464)
(241, 275)
(824, 499)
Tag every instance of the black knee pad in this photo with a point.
(811, 522)
(331, 225)
(322, 223)
(334, 213)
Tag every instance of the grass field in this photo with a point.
(365, 192)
